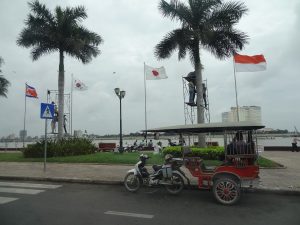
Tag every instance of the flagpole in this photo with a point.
(236, 98)
(145, 101)
(71, 105)
(24, 119)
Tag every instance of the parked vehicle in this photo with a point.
(168, 175)
(239, 168)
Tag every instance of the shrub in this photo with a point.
(209, 153)
(63, 147)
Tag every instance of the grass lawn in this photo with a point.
(112, 158)
(264, 162)
(106, 157)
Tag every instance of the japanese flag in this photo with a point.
(79, 85)
(155, 73)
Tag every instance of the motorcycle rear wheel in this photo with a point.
(177, 184)
(132, 183)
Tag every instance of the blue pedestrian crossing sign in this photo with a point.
(47, 111)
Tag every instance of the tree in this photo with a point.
(1, 62)
(46, 32)
(4, 83)
(205, 24)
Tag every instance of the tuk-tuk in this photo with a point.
(239, 167)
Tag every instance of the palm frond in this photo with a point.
(76, 14)
(4, 83)
(1, 62)
(42, 42)
(88, 36)
(175, 10)
(83, 43)
(166, 46)
(201, 8)
(41, 11)
(85, 53)
(227, 14)
(175, 39)
(225, 43)
(40, 50)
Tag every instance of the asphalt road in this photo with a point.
(113, 205)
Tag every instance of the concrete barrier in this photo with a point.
(278, 148)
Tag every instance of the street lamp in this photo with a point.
(120, 94)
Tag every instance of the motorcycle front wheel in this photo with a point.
(176, 185)
(132, 183)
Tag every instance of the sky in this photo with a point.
(130, 30)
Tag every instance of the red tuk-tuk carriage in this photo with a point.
(239, 168)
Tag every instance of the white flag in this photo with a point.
(79, 85)
(155, 73)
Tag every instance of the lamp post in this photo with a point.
(120, 94)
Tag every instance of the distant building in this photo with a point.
(246, 113)
(225, 117)
(266, 130)
(11, 136)
(23, 134)
(78, 133)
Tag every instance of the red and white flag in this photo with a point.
(245, 63)
(79, 85)
(155, 73)
(30, 92)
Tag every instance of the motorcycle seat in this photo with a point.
(156, 167)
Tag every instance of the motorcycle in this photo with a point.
(168, 175)
(135, 147)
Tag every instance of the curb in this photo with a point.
(62, 180)
(273, 168)
(279, 191)
(261, 190)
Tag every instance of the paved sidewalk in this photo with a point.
(285, 180)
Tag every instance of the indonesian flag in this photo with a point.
(155, 73)
(30, 92)
(245, 63)
(79, 85)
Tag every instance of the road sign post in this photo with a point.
(47, 112)
(45, 149)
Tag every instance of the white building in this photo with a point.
(246, 113)
(78, 133)
(23, 134)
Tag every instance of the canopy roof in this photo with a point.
(209, 127)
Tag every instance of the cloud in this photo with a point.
(130, 30)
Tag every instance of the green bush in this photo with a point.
(63, 147)
(210, 153)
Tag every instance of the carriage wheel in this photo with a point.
(226, 191)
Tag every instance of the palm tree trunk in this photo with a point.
(200, 108)
(61, 84)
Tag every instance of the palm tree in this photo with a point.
(4, 83)
(48, 32)
(205, 24)
(1, 62)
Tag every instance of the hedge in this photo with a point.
(210, 153)
(63, 147)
